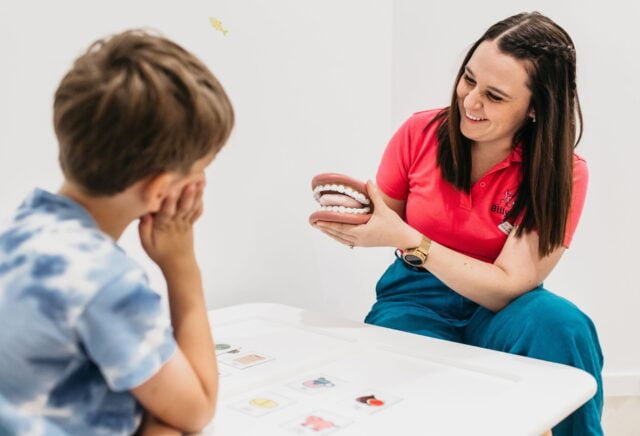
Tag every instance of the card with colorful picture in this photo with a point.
(261, 404)
(369, 401)
(318, 422)
(224, 348)
(244, 360)
(316, 384)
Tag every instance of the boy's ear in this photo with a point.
(155, 190)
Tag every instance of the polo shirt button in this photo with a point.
(483, 184)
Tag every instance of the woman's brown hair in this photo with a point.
(544, 196)
(133, 105)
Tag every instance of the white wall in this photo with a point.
(320, 86)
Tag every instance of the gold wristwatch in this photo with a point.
(417, 256)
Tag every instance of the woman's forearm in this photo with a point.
(484, 283)
(481, 282)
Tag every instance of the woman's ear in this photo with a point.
(155, 190)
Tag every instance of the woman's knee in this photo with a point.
(548, 318)
(541, 308)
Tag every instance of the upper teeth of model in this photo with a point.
(341, 189)
(473, 118)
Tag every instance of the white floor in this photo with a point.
(621, 416)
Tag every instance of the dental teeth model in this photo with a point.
(342, 199)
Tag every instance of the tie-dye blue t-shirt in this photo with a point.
(79, 324)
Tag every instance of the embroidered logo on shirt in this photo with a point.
(508, 196)
(504, 206)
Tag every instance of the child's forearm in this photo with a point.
(190, 323)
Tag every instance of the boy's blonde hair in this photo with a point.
(133, 105)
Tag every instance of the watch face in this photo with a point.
(412, 259)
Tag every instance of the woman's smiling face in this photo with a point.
(493, 96)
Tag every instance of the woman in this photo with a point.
(483, 198)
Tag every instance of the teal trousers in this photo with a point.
(538, 324)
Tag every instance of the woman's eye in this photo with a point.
(470, 81)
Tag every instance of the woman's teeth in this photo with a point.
(471, 117)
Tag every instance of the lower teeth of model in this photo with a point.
(343, 209)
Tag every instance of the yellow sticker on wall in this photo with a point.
(217, 24)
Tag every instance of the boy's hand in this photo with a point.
(167, 235)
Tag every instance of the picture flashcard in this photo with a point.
(318, 422)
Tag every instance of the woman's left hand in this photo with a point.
(384, 229)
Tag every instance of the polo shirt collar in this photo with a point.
(516, 154)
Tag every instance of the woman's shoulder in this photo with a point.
(421, 127)
(578, 159)
(580, 170)
(421, 119)
(579, 164)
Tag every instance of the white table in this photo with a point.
(323, 366)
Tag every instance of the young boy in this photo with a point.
(84, 347)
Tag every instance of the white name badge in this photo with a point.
(506, 227)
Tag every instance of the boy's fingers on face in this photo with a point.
(199, 190)
(197, 208)
(168, 208)
(197, 211)
(187, 200)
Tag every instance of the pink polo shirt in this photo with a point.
(469, 224)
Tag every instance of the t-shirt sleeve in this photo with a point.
(580, 182)
(126, 332)
(393, 173)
